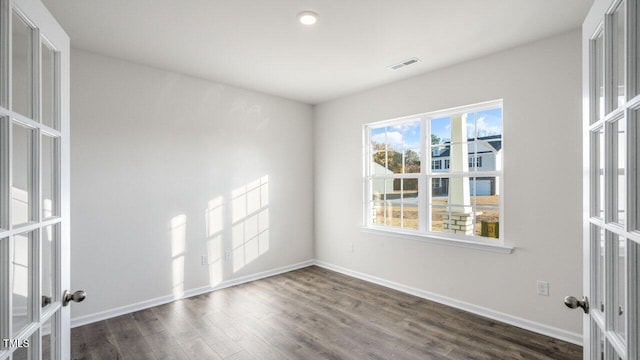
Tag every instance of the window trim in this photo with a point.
(424, 179)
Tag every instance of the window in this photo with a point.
(459, 196)
(478, 162)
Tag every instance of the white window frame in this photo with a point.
(424, 178)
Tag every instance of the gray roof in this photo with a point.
(495, 141)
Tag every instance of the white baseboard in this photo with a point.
(551, 331)
(107, 314)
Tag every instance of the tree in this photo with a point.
(395, 159)
(435, 139)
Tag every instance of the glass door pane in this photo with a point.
(48, 267)
(5, 187)
(597, 83)
(636, 29)
(619, 285)
(21, 66)
(598, 249)
(22, 182)
(49, 162)
(48, 339)
(597, 175)
(618, 22)
(634, 147)
(21, 277)
(618, 137)
(48, 84)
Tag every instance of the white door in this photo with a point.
(34, 183)
(611, 108)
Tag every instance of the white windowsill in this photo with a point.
(498, 248)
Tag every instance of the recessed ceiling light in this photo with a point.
(308, 17)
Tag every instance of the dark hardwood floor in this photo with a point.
(310, 313)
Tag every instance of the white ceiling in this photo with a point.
(259, 45)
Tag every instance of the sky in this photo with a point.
(407, 135)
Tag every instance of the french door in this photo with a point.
(611, 93)
(34, 183)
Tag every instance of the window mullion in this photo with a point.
(425, 170)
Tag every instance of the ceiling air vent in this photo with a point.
(404, 63)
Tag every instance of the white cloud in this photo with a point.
(393, 138)
(484, 127)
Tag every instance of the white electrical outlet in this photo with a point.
(543, 288)
(227, 255)
(204, 260)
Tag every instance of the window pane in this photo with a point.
(620, 279)
(377, 213)
(441, 131)
(618, 24)
(48, 339)
(634, 283)
(48, 86)
(488, 222)
(459, 220)
(485, 190)
(486, 154)
(488, 124)
(22, 182)
(48, 270)
(22, 354)
(597, 246)
(5, 195)
(485, 193)
(600, 342)
(439, 218)
(393, 210)
(22, 66)
(459, 157)
(460, 191)
(439, 202)
(440, 158)
(636, 125)
(598, 70)
(49, 171)
(618, 182)
(412, 161)
(380, 187)
(597, 181)
(440, 191)
(396, 149)
(410, 203)
(21, 267)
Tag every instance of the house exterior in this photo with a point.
(485, 154)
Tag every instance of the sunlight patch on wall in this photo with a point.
(178, 225)
(250, 215)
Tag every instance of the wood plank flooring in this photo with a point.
(312, 313)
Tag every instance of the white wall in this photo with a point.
(540, 84)
(149, 146)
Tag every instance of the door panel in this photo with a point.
(611, 217)
(34, 182)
